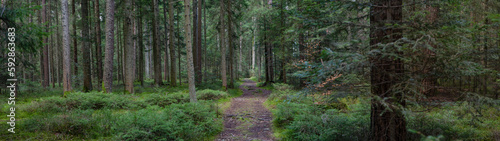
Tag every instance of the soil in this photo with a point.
(247, 119)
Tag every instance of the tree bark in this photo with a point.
(179, 46)
(189, 51)
(141, 48)
(386, 124)
(173, 81)
(156, 46)
(87, 79)
(230, 44)
(66, 48)
(222, 46)
(98, 42)
(198, 67)
(129, 50)
(253, 44)
(45, 57)
(75, 44)
(167, 54)
(108, 62)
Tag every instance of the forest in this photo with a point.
(223, 70)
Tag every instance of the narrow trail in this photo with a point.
(247, 119)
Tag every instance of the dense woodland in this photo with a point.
(275, 69)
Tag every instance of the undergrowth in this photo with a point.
(313, 117)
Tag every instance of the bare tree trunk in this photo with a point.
(222, 46)
(230, 44)
(173, 81)
(386, 124)
(66, 48)
(129, 50)
(205, 39)
(179, 47)
(75, 44)
(87, 79)
(45, 57)
(253, 43)
(141, 48)
(167, 54)
(199, 76)
(189, 51)
(98, 42)
(156, 46)
(108, 63)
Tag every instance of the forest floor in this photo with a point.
(247, 119)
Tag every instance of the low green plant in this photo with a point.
(209, 94)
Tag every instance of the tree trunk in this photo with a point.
(230, 44)
(386, 124)
(167, 55)
(195, 38)
(253, 44)
(98, 42)
(108, 62)
(189, 51)
(45, 57)
(75, 45)
(205, 40)
(199, 76)
(179, 47)
(66, 48)
(128, 48)
(87, 79)
(141, 48)
(222, 46)
(156, 46)
(173, 81)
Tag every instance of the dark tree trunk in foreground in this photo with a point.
(386, 124)
(156, 46)
(87, 79)
(110, 33)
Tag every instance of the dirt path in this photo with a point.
(247, 119)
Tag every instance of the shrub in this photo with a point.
(209, 94)
(165, 100)
(84, 101)
(450, 123)
(83, 123)
(188, 121)
(282, 86)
